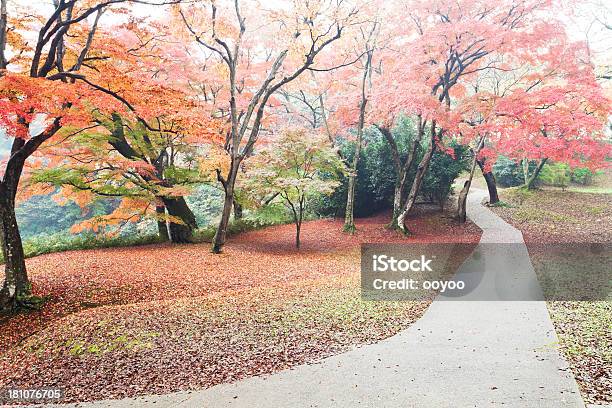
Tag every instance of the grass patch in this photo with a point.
(104, 340)
(597, 210)
(520, 194)
(500, 204)
(584, 335)
(591, 189)
(541, 215)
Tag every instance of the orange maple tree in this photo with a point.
(43, 52)
(146, 146)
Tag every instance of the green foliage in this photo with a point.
(265, 216)
(206, 202)
(376, 174)
(582, 175)
(272, 214)
(178, 175)
(509, 173)
(126, 160)
(555, 174)
(64, 241)
(296, 167)
(442, 173)
(42, 215)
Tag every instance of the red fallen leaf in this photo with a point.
(163, 318)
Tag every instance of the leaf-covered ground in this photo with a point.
(558, 216)
(160, 318)
(583, 327)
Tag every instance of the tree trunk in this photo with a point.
(237, 210)
(349, 215)
(16, 284)
(298, 228)
(162, 225)
(228, 187)
(3, 33)
(400, 174)
(399, 198)
(398, 195)
(525, 164)
(349, 218)
(418, 179)
(491, 183)
(402, 171)
(299, 217)
(530, 183)
(180, 233)
(330, 137)
(16, 288)
(462, 200)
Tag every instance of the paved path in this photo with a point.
(459, 354)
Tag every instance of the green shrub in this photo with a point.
(269, 215)
(65, 241)
(375, 179)
(442, 173)
(555, 174)
(376, 174)
(582, 175)
(509, 173)
(206, 202)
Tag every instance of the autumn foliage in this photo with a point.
(268, 104)
(99, 100)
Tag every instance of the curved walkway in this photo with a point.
(494, 353)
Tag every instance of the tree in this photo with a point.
(462, 199)
(368, 38)
(146, 147)
(255, 70)
(487, 174)
(41, 100)
(403, 166)
(150, 170)
(426, 70)
(34, 109)
(295, 167)
(556, 111)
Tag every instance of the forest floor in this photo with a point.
(559, 227)
(155, 319)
